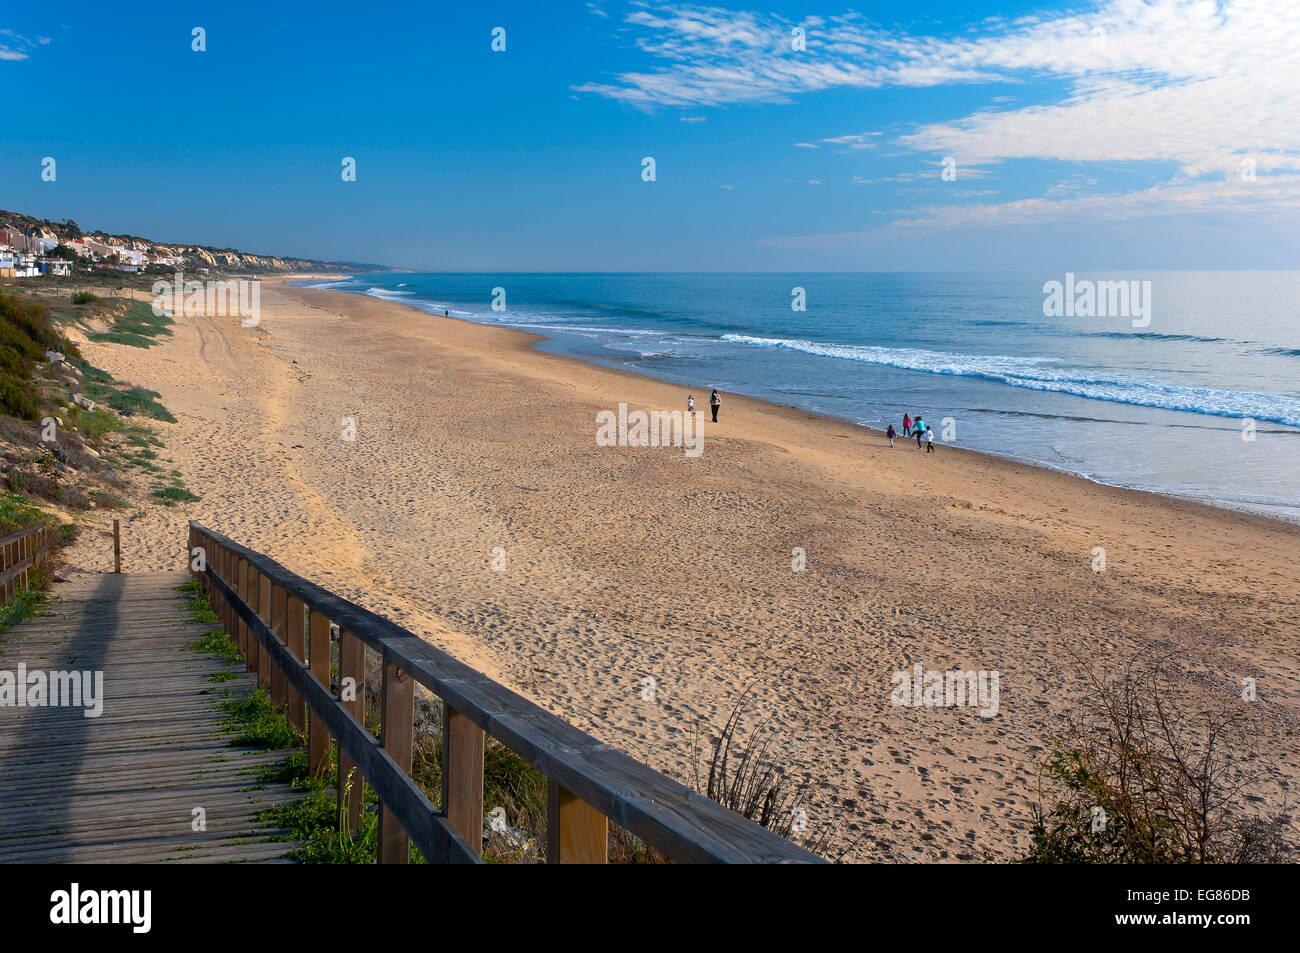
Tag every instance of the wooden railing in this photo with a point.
(20, 553)
(282, 624)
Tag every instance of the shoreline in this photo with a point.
(626, 563)
(1262, 511)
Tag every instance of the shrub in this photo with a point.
(1146, 773)
(84, 297)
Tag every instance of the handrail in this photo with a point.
(588, 781)
(21, 552)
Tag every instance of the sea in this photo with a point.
(1190, 388)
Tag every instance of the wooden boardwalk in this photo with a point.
(123, 787)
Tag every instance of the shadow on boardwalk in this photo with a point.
(125, 786)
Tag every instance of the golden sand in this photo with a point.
(623, 563)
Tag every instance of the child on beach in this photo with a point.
(929, 440)
(907, 425)
(714, 403)
(690, 403)
(890, 434)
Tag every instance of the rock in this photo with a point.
(83, 401)
(60, 455)
(54, 356)
(110, 475)
(93, 454)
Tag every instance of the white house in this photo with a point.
(18, 265)
(55, 266)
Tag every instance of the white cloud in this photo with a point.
(1196, 86)
(14, 47)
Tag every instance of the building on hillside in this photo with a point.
(55, 266)
(13, 239)
(18, 265)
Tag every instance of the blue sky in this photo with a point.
(1102, 135)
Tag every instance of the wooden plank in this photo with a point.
(279, 687)
(398, 698)
(241, 577)
(352, 678)
(254, 600)
(576, 833)
(264, 664)
(296, 637)
(318, 736)
(123, 786)
(462, 775)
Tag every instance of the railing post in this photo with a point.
(296, 636)
(462, 775)
(252, 596)
(576, 833)
(4, 564)
(318, 654)
(397, 736)
(279, 683)
(241, 589)
(352, 665)
(215, 596)
(264, 665)
(227, 572)
(117, 545)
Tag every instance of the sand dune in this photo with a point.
(622, 563)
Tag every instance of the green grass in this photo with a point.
(138, 326)
(171, 495)
(22, 606)
(131, 400)
(100, 386)
(255, 724)
(25, 335)
(17, 512)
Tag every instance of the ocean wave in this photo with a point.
(385, 292)
(1283, 351)
(632, 332)
(332, 283)
(1040, 373)
(1158, 336)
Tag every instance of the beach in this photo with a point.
(798, 556)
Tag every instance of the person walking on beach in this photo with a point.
(907, 425)
(690, 404)
(890, 434)
(714, 403)
(918, 428)
(929, 440)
